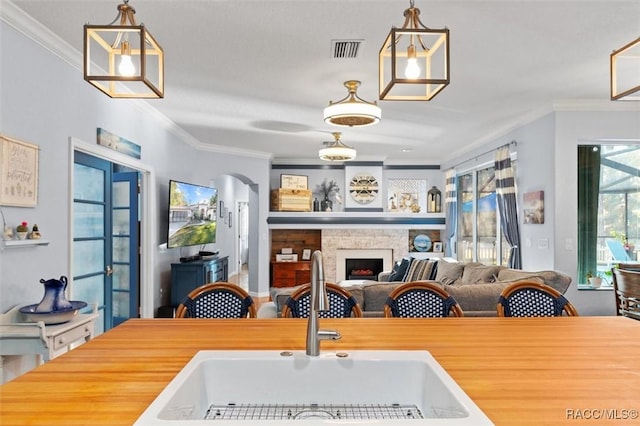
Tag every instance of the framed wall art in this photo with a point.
(18, 173)
(306, 254)
(119, 144)
(294, 181)
(407, 195)
(533, 206)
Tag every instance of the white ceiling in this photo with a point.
(256, 75)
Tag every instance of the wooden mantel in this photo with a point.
(530, 371)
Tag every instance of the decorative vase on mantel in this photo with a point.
(326, 205)
(327, 190)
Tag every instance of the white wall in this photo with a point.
(547, 161)
(233, 191)
(45, 101)
(572, 129)
(535, 143)
(534, 149)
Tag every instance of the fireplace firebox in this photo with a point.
(343, 271)
(363, 269)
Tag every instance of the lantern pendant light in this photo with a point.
(413, 61)
(123, 60)
(625, 72)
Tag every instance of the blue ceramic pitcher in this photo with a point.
(54, 295)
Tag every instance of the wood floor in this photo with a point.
(242, 279)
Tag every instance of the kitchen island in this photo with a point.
(517, 370)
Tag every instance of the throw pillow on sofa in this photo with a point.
(421, 269)
(400, 269)
(474, 274)
(449, 272)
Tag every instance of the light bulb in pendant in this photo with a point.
(126, 67)
(413, 70)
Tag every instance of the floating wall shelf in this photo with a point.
(23, 243)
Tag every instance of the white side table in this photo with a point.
(18, 337)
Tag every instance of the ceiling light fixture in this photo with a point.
(336, 150)
(625, 72)
(352, 110)
(413, 61)
(123, 60)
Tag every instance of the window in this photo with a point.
(479, 237)
(608, 207)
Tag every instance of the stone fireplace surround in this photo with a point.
(350, 241)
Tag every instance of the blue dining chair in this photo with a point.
(342, 304)
(533, 299)
(421, 300)
(217, 300)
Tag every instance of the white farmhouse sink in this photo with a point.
(275, 388)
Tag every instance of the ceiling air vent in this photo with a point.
(345, 48)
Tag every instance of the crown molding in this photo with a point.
(19, 20)
(500, 132)
(23, 23)
(560, 105)
(595, 105)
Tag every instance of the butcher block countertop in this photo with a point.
(538, 371)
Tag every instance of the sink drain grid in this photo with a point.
(307, 411)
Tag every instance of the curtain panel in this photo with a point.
(451, 214)
(507, 206)
(588, 194)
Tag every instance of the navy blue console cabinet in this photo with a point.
(190, 275)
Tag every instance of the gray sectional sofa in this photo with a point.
(476, 287)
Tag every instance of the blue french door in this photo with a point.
(125, 255)
(105, 239)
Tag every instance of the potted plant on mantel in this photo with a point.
(328, 190)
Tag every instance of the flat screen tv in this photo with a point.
(192, 214)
